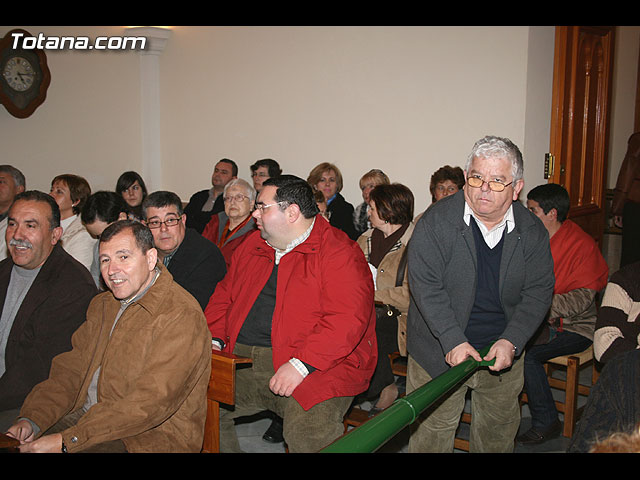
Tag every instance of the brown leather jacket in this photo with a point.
(628, 183)
(155, 369)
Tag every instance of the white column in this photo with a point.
(150, 102)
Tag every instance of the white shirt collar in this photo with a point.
(294, 243)
(493, 236)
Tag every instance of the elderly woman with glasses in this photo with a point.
(230, 228)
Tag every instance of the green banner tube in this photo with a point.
(370, 436)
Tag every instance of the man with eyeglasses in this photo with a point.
(298, 300)
(264, 170)
(136, 377)
(196, 264)
(481, 276)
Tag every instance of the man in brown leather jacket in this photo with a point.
(137, 376)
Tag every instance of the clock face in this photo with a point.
(19, 74)
(24, 76)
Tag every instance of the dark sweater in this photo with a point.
(256, 329)
(197, 266)
(487, 320)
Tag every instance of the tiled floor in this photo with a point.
(251, 429)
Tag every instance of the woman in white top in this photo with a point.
(70, 193)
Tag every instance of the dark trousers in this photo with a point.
(387, 335)
(541, 404)
(630, 251)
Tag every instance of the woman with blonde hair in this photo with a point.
(326, 178)
(368, 182)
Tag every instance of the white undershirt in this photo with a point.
(493, 236)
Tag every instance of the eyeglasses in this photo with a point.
(169, 222)
(494, 185)
(261, 206)
(238, 198)
(259, 174)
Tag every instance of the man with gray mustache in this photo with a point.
(44, 295)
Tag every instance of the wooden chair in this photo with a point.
(222, 389)
(573, 364)
(571, 386)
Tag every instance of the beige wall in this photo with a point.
(404, 99)
(90, 121)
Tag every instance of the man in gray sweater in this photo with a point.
(44, 295)
(480, 274)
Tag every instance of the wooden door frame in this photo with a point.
(561, 138)
(636, 123)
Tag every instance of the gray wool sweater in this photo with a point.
(442, 280)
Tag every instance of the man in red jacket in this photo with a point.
(580, 273)
(298, 300)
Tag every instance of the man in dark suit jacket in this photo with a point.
(44, 295)
(196, 264)
(206, 203)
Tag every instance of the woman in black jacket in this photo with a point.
(326, 178)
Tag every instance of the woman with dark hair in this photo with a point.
(70, 193)
(101, 210)
(132, 188)
(263, 170)
(327, 179)
(446, 181)
(384, 246)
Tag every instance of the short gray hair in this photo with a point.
(498, 147)
(239, 182)
(17, 175)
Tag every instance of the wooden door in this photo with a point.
(580, 120)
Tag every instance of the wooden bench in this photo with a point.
(8, 444)
(222, 389)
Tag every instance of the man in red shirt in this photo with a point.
(299, 300)
(580, 273)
